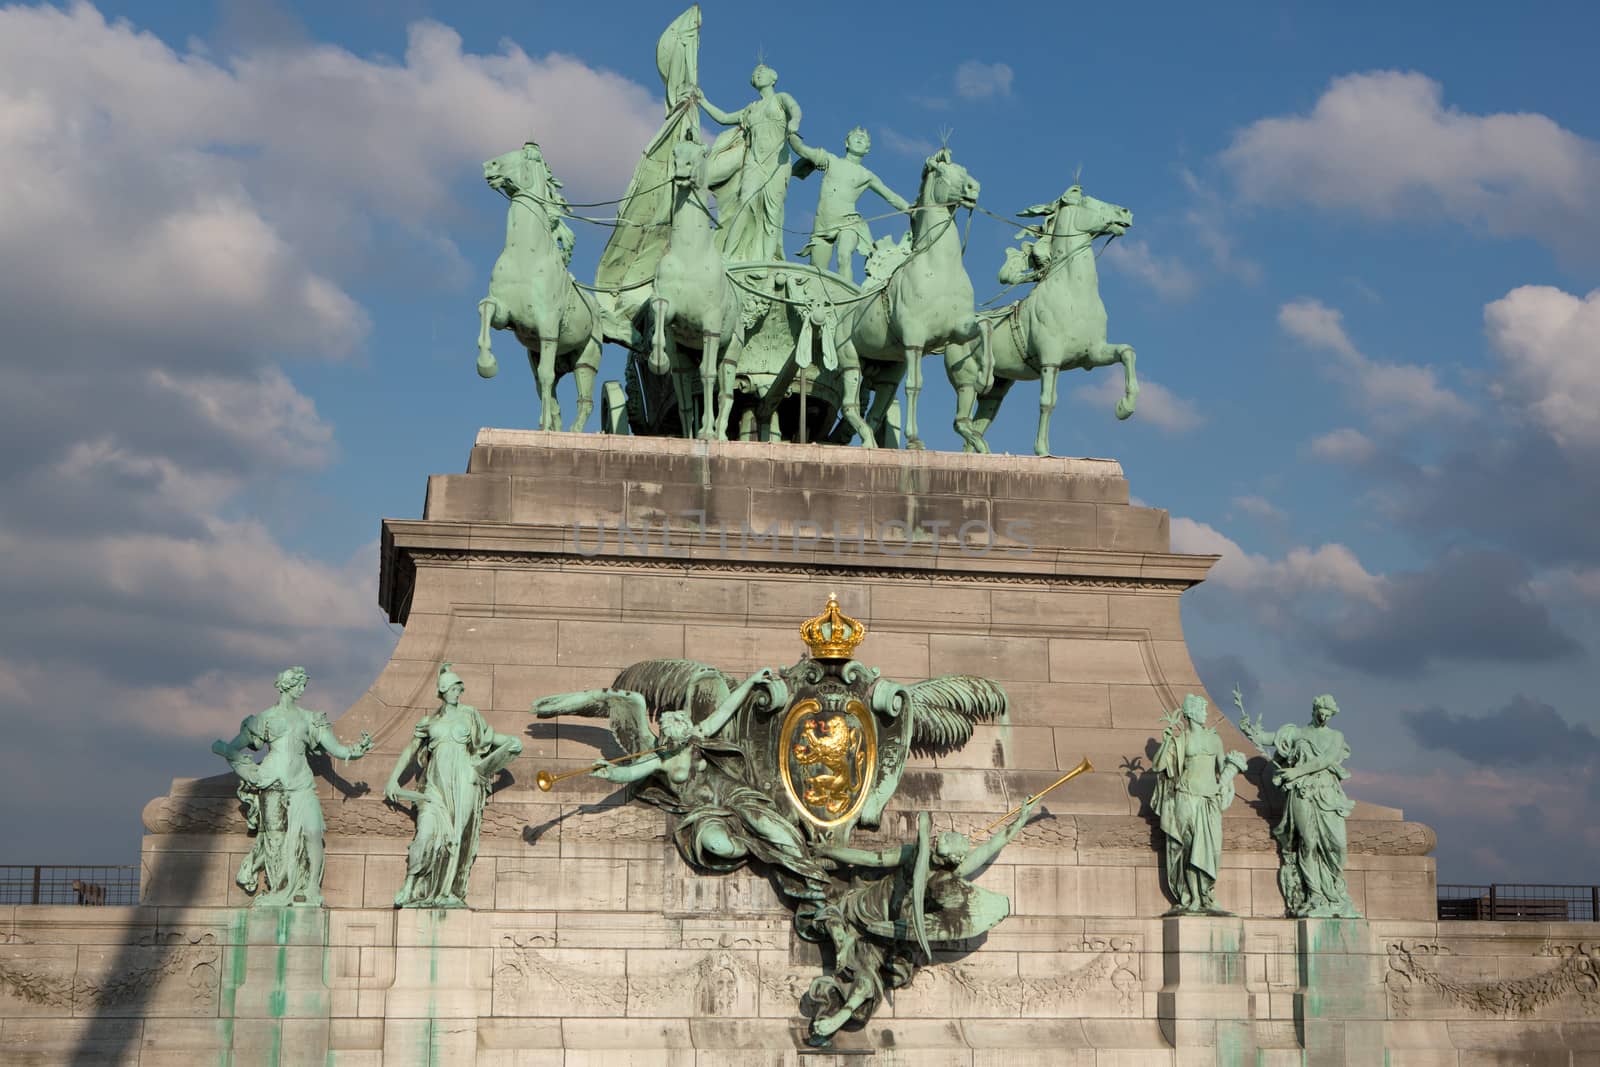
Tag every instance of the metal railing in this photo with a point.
(1520, 902)
(61, 884)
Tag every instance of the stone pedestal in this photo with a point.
(1340, 1007)
(558, 559)
(1203, 1006)
(281, 1007)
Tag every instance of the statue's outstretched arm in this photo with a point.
(983, 855)
(331, 744)
(897, 201)
(815, 156)
(626, 773)
(860, 857)
(724, 118)
(793, 107)
(714, 722)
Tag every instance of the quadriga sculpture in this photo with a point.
(532, 294)
(693, 299)
(1060, 325)
(926, 305)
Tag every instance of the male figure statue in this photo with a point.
(280, 794)
(1194, 787)
(838, 224)
(1311, 835)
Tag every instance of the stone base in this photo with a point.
(559, 559)
(179, 986)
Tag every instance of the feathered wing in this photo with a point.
(676, 684)
(944, 710)
(625, 712)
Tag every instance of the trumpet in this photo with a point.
(546, 781)
(1081, 768)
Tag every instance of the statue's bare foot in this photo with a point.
(825, 1026)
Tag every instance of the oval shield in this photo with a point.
(829, 758)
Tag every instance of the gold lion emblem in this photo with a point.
(836, 746)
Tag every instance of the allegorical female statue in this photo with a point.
(751, 221)
(457, 757)
(280, 794)
(1194, 786)
(1309, 767)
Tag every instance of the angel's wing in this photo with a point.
(674, 684)
(944, 709)
(624, 712)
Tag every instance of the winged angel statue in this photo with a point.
(782, 766)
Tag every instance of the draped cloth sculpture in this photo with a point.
(1308, 765)
(279, 794)
(458, 757)
(779, 769)
(1194, 786)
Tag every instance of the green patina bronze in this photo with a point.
(284, 865)
(457, 758)
(726, 337)
(1308, 765)
(780, 768)
(532, 294)
(1060, 325)
(1194, 786)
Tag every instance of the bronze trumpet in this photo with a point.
(546, 781)
(1069, 776)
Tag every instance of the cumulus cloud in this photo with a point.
(1465, 607)
(896, 141)
(976, 80)
(1344, 445)
(1524, 731)
(1401, 388)
(1167, 275)
(1222, 673)
(1259, 508)
(1548, 345)
(1158, 405)
(184, 225)
(1384, 144)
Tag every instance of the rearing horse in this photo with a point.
(926, 305)
(693, 300)
(1061, 325)
(532, 295)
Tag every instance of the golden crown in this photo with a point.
(833, 634)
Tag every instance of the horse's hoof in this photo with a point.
(1124, 408)
(487, 365)
(915, 444)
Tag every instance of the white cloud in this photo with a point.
(1167, 275)
(980, 81)
(1157, 405)
(1548, 343)
(920, 147)
(1326, 568)
(1383, 144)
(1344, 445)
(1401, 388)
(1260, 508)
(1209, 218)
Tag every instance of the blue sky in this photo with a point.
(245, 243)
